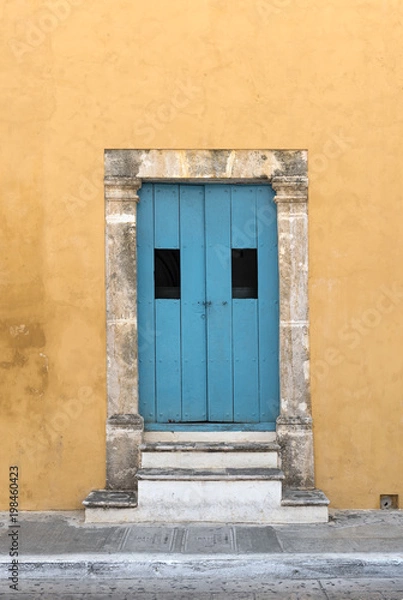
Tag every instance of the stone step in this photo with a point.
(228, 474)
(208, 495)
(228, 437)
(297, 498)
(209, 455)
(126, 499)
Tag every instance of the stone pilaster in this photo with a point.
(124, 426)
(294, 425)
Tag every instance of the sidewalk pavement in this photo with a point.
(57, 545)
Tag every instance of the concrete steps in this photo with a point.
(212, 495)
(209, 455)
(209, 481)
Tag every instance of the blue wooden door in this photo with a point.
(207, 307)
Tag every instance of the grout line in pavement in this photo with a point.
(323, 589)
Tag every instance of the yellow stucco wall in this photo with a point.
(79, 76)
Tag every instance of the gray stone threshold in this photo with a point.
(253, 474)
(209, 447)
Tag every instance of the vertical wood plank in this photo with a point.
(219, 305)
(268, 299)
(193, 310)
(244, 313)
(243, 216)
(166, 216)
(168, 361)
(145, 302)
(167, 312)
(245, 360)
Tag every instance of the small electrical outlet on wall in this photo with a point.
(389, 501)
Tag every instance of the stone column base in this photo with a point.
(295, 438)
(124, 435)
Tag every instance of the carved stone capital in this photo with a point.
(290, 189)
(122, 189)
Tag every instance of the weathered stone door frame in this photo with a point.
(286, 172)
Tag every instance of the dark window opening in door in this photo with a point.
(167, 274)
(244, 273)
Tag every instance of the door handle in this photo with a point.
(207, 303)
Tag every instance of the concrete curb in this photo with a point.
(149, 566)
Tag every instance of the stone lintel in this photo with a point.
(231, 166)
